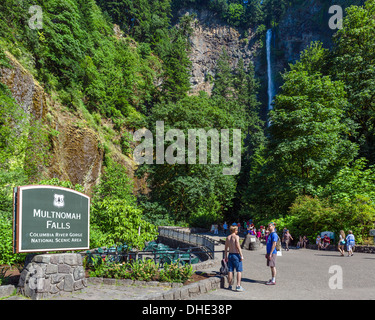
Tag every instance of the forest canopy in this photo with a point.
(127, 62)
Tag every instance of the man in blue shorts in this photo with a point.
(235, 257)
(272, 252)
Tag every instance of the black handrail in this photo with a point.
(197, 239)
(139, 255)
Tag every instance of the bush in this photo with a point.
(6, 245)
(174, 273)
(115, 215)
(141, 270)
(311, 215)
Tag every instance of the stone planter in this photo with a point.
(49, 274)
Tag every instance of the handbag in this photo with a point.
(223, 268)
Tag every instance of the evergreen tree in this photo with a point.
(174, 52)
(223, 77)
(145, 21)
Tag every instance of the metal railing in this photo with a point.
(198, 240)
(182, 256)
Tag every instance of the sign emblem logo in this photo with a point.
(58, 200)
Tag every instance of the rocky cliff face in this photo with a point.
(302, 24)
(76, 152)
(25, 89)
(210, 37)
(299, 27)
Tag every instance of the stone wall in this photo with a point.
(357, 248)
(364, 249)
(46, 275)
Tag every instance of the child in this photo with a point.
(341, 242)
(350, 242)
(319, 241)
(259, 234)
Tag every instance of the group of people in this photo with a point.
(287, 238)
(349, 241)
(234, 256)
(323, 242)
(247, 228)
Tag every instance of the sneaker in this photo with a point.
(230, 288)
(239, 289)
(270, 282)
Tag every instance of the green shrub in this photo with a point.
(143, 270)
(140, 270)
(175, 273)
(310, 216)
(6, 245)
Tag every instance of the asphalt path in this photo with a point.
(304, 274)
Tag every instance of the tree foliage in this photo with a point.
(354, 64)
(200, 194)
(316, 157)
(115, 216)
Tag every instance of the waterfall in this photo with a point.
(269, 69)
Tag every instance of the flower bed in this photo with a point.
(146, 270)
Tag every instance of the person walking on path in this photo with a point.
(272, 252)
(225, 227)
(235, 257)
(287, 238)
(350, 242)
(342, 242)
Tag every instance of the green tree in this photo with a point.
(146, 21)
(351, 181)
(309, 136)
(223, 77)
(196, 193)
(174, 51)
(183, 189)
(254, 14)
(121, 223)
(354, 65)
(311, 215)
(235, 14)
(115, 216)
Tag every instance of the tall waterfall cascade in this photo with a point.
(269, 70)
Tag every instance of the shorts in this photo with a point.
(272, 261)
(234, 262)
(349, 247)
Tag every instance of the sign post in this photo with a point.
(50, 218)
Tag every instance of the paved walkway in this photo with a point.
(301, 274)
(304, 274)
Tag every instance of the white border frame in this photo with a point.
(18, 236)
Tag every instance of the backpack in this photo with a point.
(223, 268)
(350, 239)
